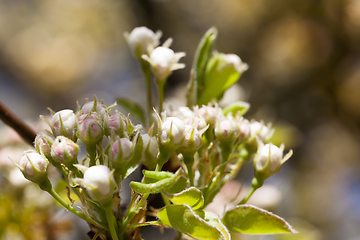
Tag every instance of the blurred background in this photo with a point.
(304, 76)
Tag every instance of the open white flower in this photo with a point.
(164, 61)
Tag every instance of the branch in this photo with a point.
(17, 124)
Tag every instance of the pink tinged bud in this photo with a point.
(88, 107)
(199, 122)
(43, 142)
(121, 150)
(34, 166)
(244, 129)
(89, 129)
(141, 39)
(172, 132)
(164, 61)
(63, 123)
(99, 183)
(64, 150)
(209, 114)
(227, 130)
(114, 123)
(269, 159)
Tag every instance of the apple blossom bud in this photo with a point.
(192, 139)
(198, 121)
(164, 61)
(172, 132)
(244, 129)
(141, 39)
(89, 128)
(150, 151)
(64, 151)
(227, 130)
(183, 112)
(34, 166)
(114, 123)
(98, 182)
(268, 160)
(209, 114)
(258, 129)
(63, 123)
(89, 107)
(120, 151)
(43, 143)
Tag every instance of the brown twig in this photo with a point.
(17, 124)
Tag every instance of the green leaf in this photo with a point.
(214, 221)
(191, 196)
(155, 187)
(253, 220)
(182, 218)
(178, 186)
(133, 108)
(236, 107)
(202, 56)
(219, 76)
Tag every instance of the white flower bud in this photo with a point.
(99, 183)
(89, 108)
(114, 123)
(183, 112)
(268, 160)
(64, 150)
(233, 59)
(172, 132)
(150, 151)
(65, 126)
(141, 39)
(263, 132)
(43, 142)
(192, 140)
(33, 166)
(164, 61)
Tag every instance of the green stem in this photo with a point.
(255, 184)
(71, 209)
(91, 149)
(161, 85)
(163, 158)
(189, 162)
(147, 72)
(111, 222)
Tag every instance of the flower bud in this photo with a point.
(121, 150)
(209, 114)
(63, 123)
(258, 129)
(64, 151)
(150, 151)
(172, 132)
(34, 166)
(141, 39)
(164, 61)
(227, 130)
(90, 107)
(43, 143)
(99, 183)
(89, 128)
(183, 112)
(244, 129)
(192, 139)
(268, 160)
(114, 123)
(198, 121)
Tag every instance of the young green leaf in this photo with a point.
(236, 107)
(253, 220)
(202, 56)
(179, 185)
(184, 219)
(214, 221)
(191, 196)
(133, 108)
